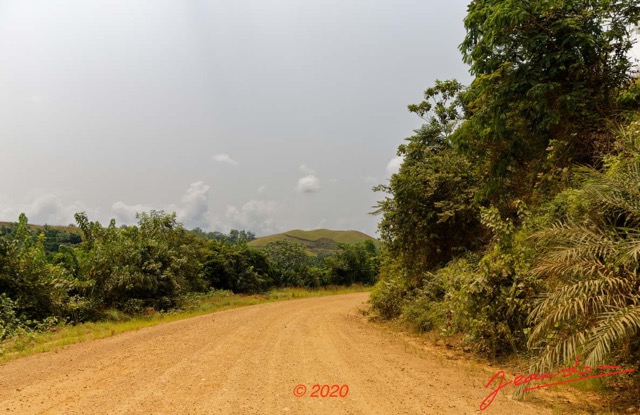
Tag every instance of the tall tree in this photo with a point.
(547, 74)
(429, 214)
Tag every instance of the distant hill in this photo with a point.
(70, 229)
(55, 236)
(320, 241)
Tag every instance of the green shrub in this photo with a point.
(486, 298)
(388, 295)
(422, 312)
(9, 321)
(238, 268)
(36, 288)
(354, 264)
(133, 267)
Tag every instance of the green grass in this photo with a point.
(347, 237)
(343, 237)
(62, 335)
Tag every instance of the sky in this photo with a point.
(265, 115)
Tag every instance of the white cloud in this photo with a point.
(306, 169)
(225, 159)
(125, 214)
(45, 209)
(308, 184)
(394, 165)
(262, 189)
(634, 52)
(255, 215)
(194, 210)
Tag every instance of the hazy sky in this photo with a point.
(265, 115)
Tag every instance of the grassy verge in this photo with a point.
(63, 335)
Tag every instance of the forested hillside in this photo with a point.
(514, 220)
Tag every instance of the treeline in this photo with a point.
(234, 236)
(150, 266)
(514, 219)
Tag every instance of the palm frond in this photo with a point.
(576, 302)
(613, 326)
(594, 261)
(560, 353)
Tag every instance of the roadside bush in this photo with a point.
(9, 321)
(441, 304)
(290, 264)
(354, 263)
(498, 294)
(237, 268)
(486, 298)
(422, 310)
(388, 295)
(133, 267)
(32, 287)
(317, 276)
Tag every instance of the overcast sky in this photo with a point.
(265, 115)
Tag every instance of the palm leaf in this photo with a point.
(595, 263)
(613, 327)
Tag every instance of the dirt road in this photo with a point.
(248, 361)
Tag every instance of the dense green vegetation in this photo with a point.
(514, 219)
(50, 276)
